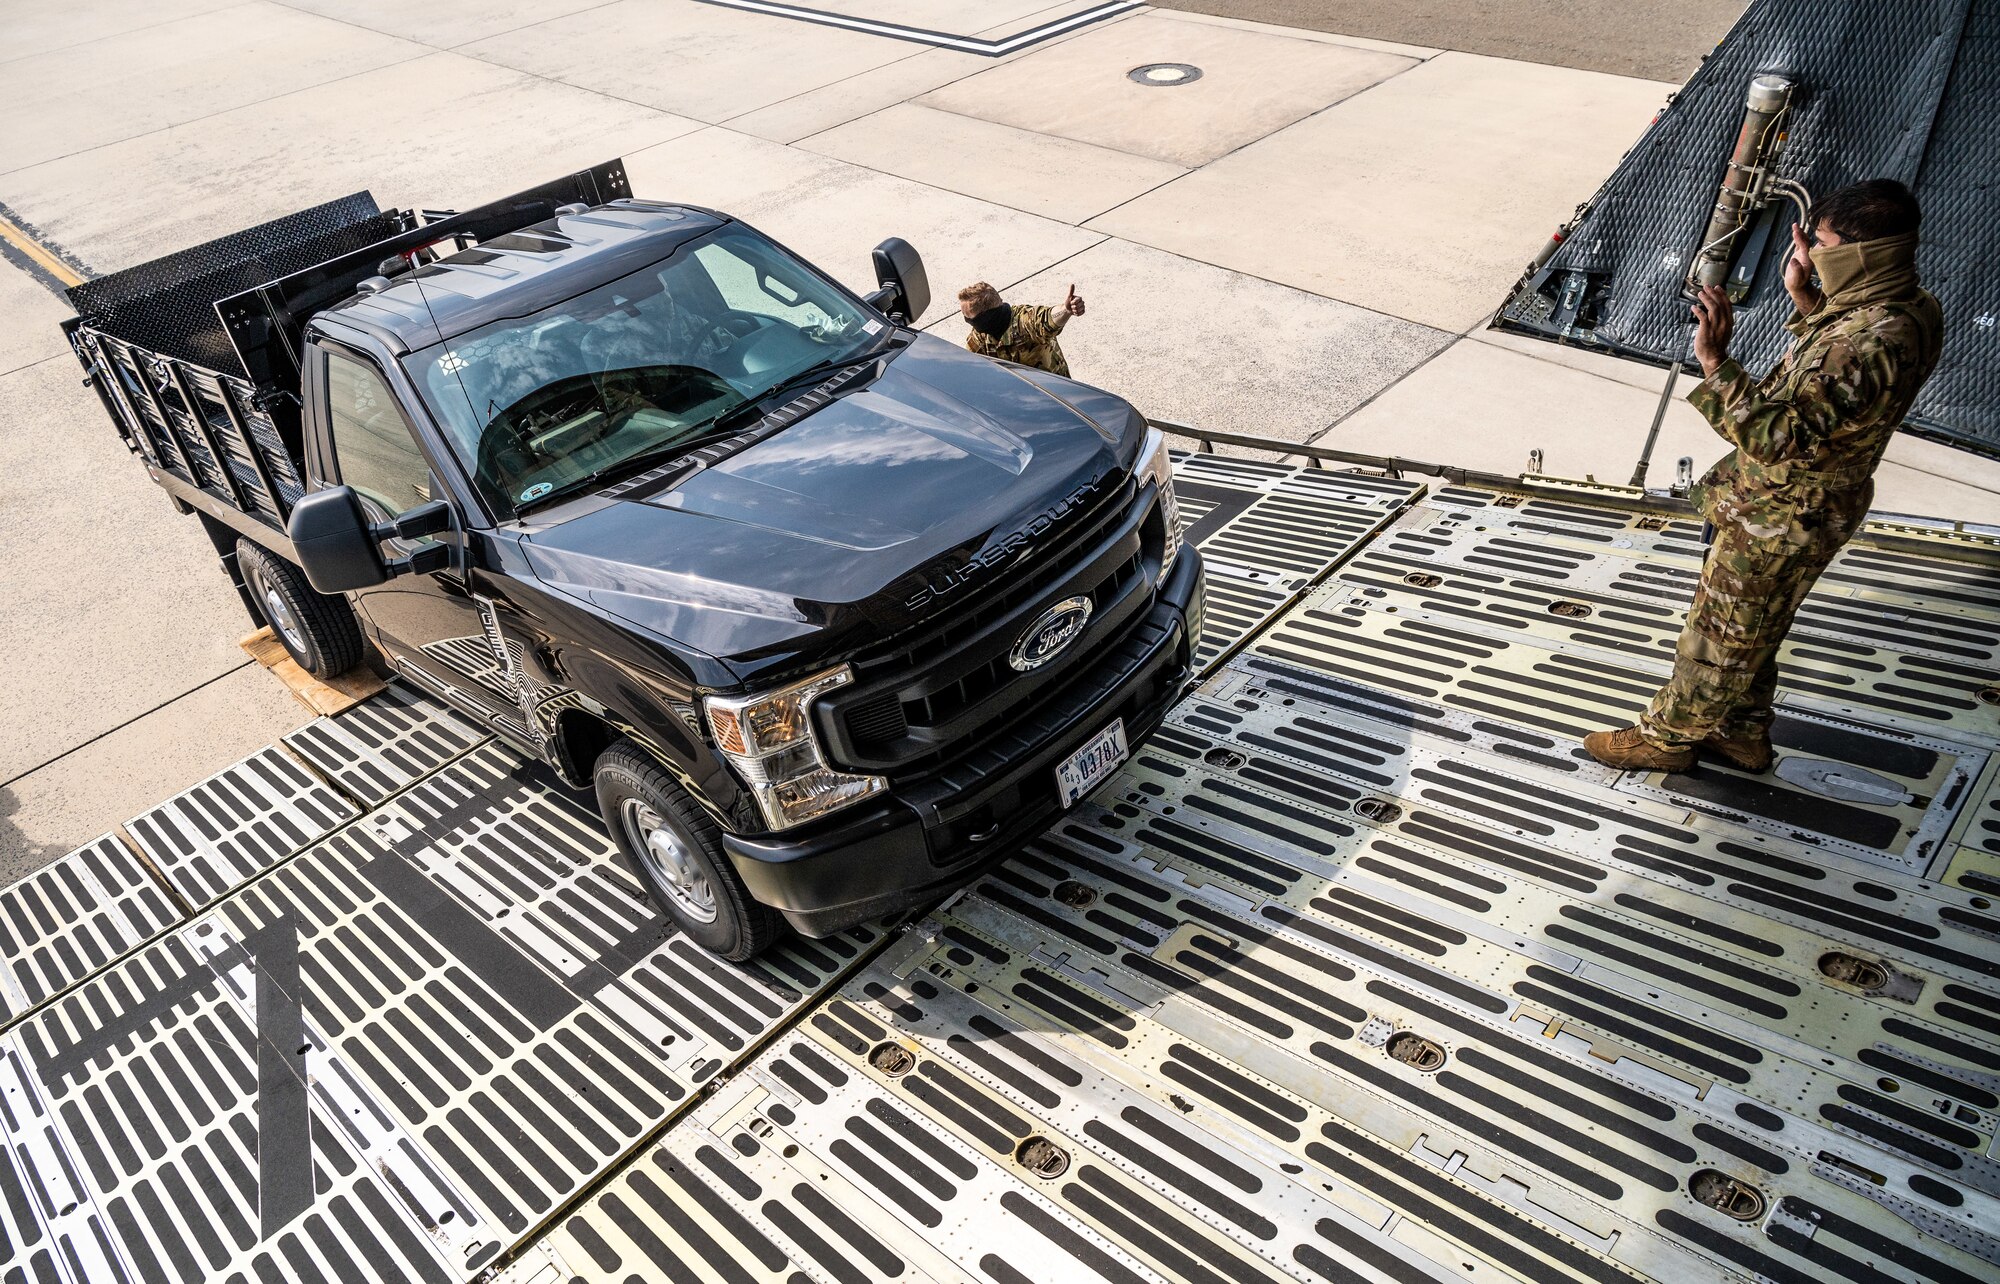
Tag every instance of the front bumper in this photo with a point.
(917, 844)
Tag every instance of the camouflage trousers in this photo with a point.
(1726, 663)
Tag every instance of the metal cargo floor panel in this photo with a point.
(1187, 1079)
(1359, 971)
(1868, 594)
(74, 916)
(1509, 653)
(1269, 531)
(385, 745)
(394, 1053)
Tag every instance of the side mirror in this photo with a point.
(335, 542)
(339, 549)
(899, 269)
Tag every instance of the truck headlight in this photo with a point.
(1155, 463)
(769, 739)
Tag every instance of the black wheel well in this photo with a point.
(580, 739)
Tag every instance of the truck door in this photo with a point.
(429, 625)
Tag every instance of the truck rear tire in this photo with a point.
(677, 852)
(319, 631)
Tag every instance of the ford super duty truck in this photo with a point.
(829, 612)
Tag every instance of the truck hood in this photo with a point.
(841, 528)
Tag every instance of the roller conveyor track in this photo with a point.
(1359, 971)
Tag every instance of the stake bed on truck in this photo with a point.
(829, 612)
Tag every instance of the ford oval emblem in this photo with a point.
(1053, 630)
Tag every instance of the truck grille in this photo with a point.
(938, 693)
(985, 679)
(880, 719)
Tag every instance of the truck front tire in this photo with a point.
(677, 852)
(319, 631)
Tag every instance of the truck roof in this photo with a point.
(523, 271)
(235, 306)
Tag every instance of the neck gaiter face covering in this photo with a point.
(1861, 272)
(994, 321)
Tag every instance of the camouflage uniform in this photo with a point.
(1798, 484)
(1030, 340)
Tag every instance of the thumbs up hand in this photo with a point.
(1071, 304)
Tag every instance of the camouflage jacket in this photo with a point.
(1030, 340)
(1808, 436)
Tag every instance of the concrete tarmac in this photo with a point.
(1651, 39)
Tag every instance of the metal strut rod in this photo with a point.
(1653, 433)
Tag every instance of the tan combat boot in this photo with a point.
(1628, 750)
(1746, 750)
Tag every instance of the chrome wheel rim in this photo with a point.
(675, 869)
(282, 619)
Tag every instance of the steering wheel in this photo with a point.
(504, 452)
(734, 326)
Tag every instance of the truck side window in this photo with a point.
(371, 444)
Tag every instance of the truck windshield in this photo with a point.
(635, 369)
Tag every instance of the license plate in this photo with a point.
(1088, 767)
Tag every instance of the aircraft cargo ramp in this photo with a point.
(1359, 971)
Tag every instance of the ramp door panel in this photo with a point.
(1901, 91)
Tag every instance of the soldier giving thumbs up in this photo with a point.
(1025, 334)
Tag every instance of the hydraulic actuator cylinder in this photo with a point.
(1763, 108)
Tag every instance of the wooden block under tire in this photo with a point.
(324, 696)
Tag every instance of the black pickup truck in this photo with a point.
(829, 612)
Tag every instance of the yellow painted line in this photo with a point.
(39, 254)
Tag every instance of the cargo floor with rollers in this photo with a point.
(1359, 971)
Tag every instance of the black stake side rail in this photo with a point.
(226, 443)
(204, 435)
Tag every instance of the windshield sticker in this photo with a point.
(535, 492)
(873, 327)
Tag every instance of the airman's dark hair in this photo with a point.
(1868, 211)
